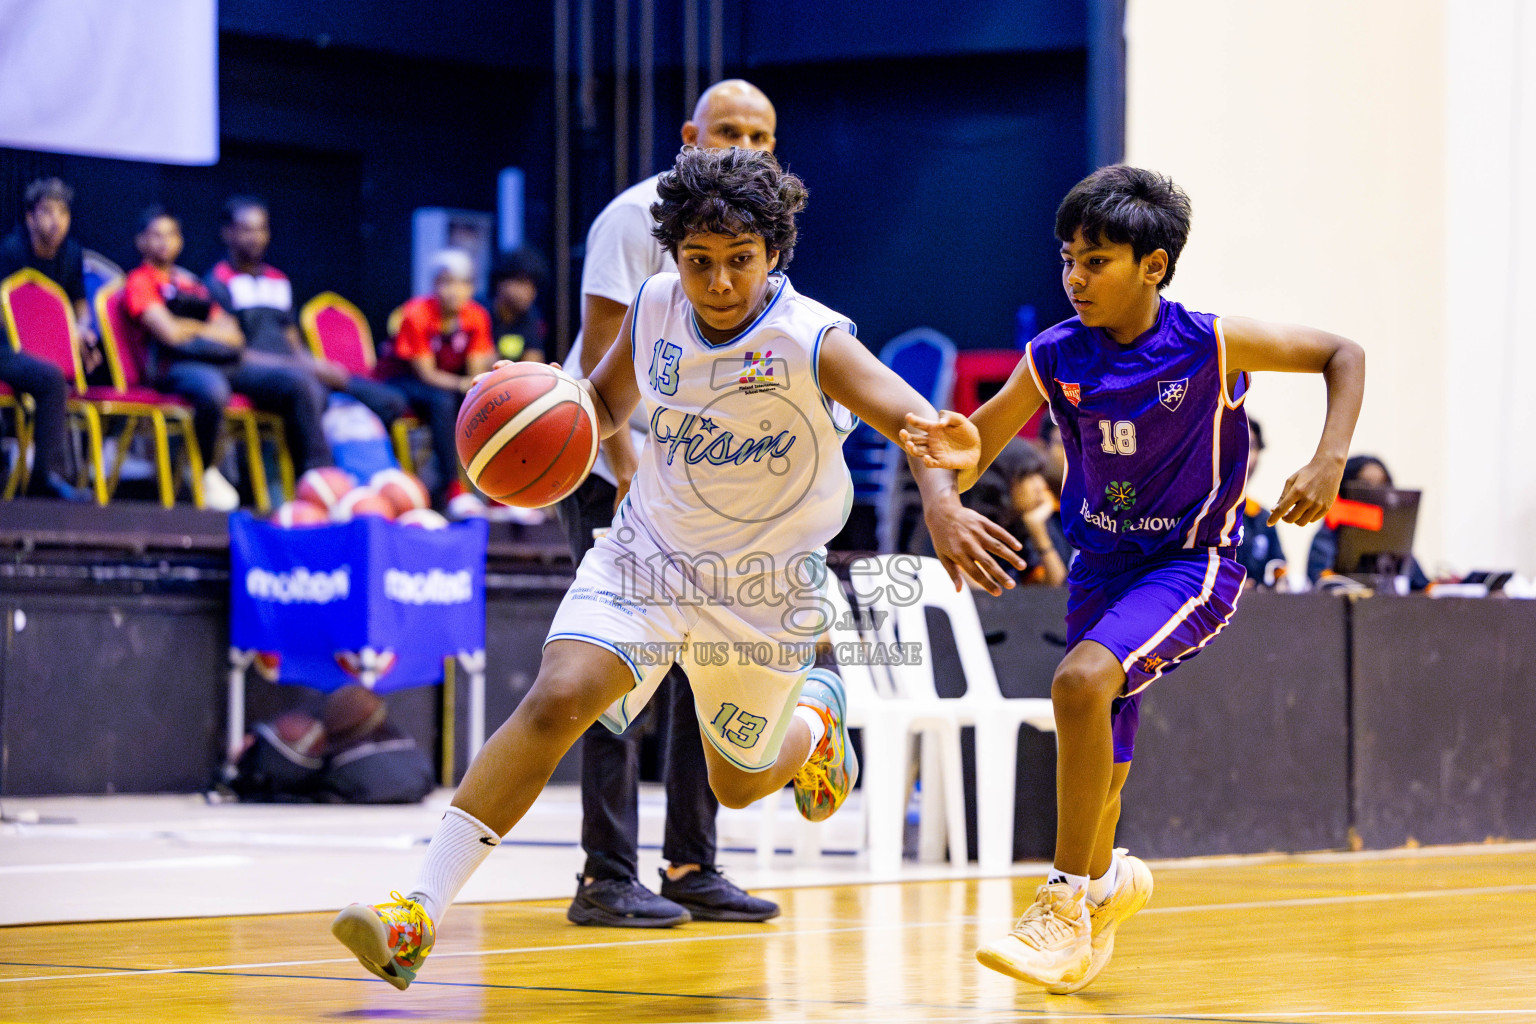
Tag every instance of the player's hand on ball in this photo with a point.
(969, 545)
(1309, 493)
(498, 364)
(949, 442)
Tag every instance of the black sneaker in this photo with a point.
(710, 896)
(622, 903)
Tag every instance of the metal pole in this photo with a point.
(586, 49)
(645, 128)
(562, 247)
(473, 663)
(716, 40)
(450, 713)
(234, 719)
(620, 95)
(690, 56)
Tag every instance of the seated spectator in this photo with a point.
(1368, 471)
(1260, 551)
(517, 324)
(1014, 494)
(198, 352)
(261, 298)
(42, 242)
(444, 341)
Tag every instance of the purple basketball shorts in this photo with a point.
(1152, 614)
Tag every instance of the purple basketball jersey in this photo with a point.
(1157, 450)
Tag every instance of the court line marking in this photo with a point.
(1223, 1017)
(228, 860)
(772, 933)
(1324, 901)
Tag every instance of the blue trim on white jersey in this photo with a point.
(634, 316)
(693, 322)
(816, 378)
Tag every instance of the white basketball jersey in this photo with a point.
(745, 453)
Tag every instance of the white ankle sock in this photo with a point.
(1075, 881)
(1101, 888)
(810, 717)
(459, 846)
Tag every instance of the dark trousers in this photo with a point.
(42, 380)
(438, 408)
(610, 765)
(385, 402)
(290, 391)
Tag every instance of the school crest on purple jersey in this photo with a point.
(1171, 393)
(1140, 481)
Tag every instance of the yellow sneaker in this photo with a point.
(1132, 893)
(1051, 944)
(828, 775)
(390, 939)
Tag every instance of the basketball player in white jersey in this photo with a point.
(716, 558)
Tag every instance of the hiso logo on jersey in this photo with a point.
(753, 371)
(756, 367)
(1171, 393)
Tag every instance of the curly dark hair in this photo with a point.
(728, 192)
(1131, 206)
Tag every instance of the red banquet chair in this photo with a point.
(18, 473)
(124, 342)
(338, 331)
(41, 323)
(127, 398)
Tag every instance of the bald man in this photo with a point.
(621, 254)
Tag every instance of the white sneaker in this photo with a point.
(1130, 895)
(1051, 945)
(218, 493)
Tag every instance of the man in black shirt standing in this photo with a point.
(42, 242)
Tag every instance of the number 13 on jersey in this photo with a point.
(664, 366)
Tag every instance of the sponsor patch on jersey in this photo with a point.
(1171, 393)
(751, 371)
(1072, 392)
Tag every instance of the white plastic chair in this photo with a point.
(885, 723)
(995, 717)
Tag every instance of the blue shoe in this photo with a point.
(828, 775)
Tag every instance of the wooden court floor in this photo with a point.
(1421, 939)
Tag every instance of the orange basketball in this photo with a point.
(362, 501)
(527, 435)
(401, 490)
(300, 513)
(324, 486)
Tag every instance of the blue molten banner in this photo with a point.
(365, 601)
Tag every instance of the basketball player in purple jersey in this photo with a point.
(1149, 399)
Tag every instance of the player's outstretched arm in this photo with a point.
(968, 446)
(966, 542)
(1254, 345)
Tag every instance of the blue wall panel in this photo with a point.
(934, 186)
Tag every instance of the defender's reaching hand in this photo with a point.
(969, 544)
(949, 442)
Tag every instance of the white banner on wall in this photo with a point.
(133, 79)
